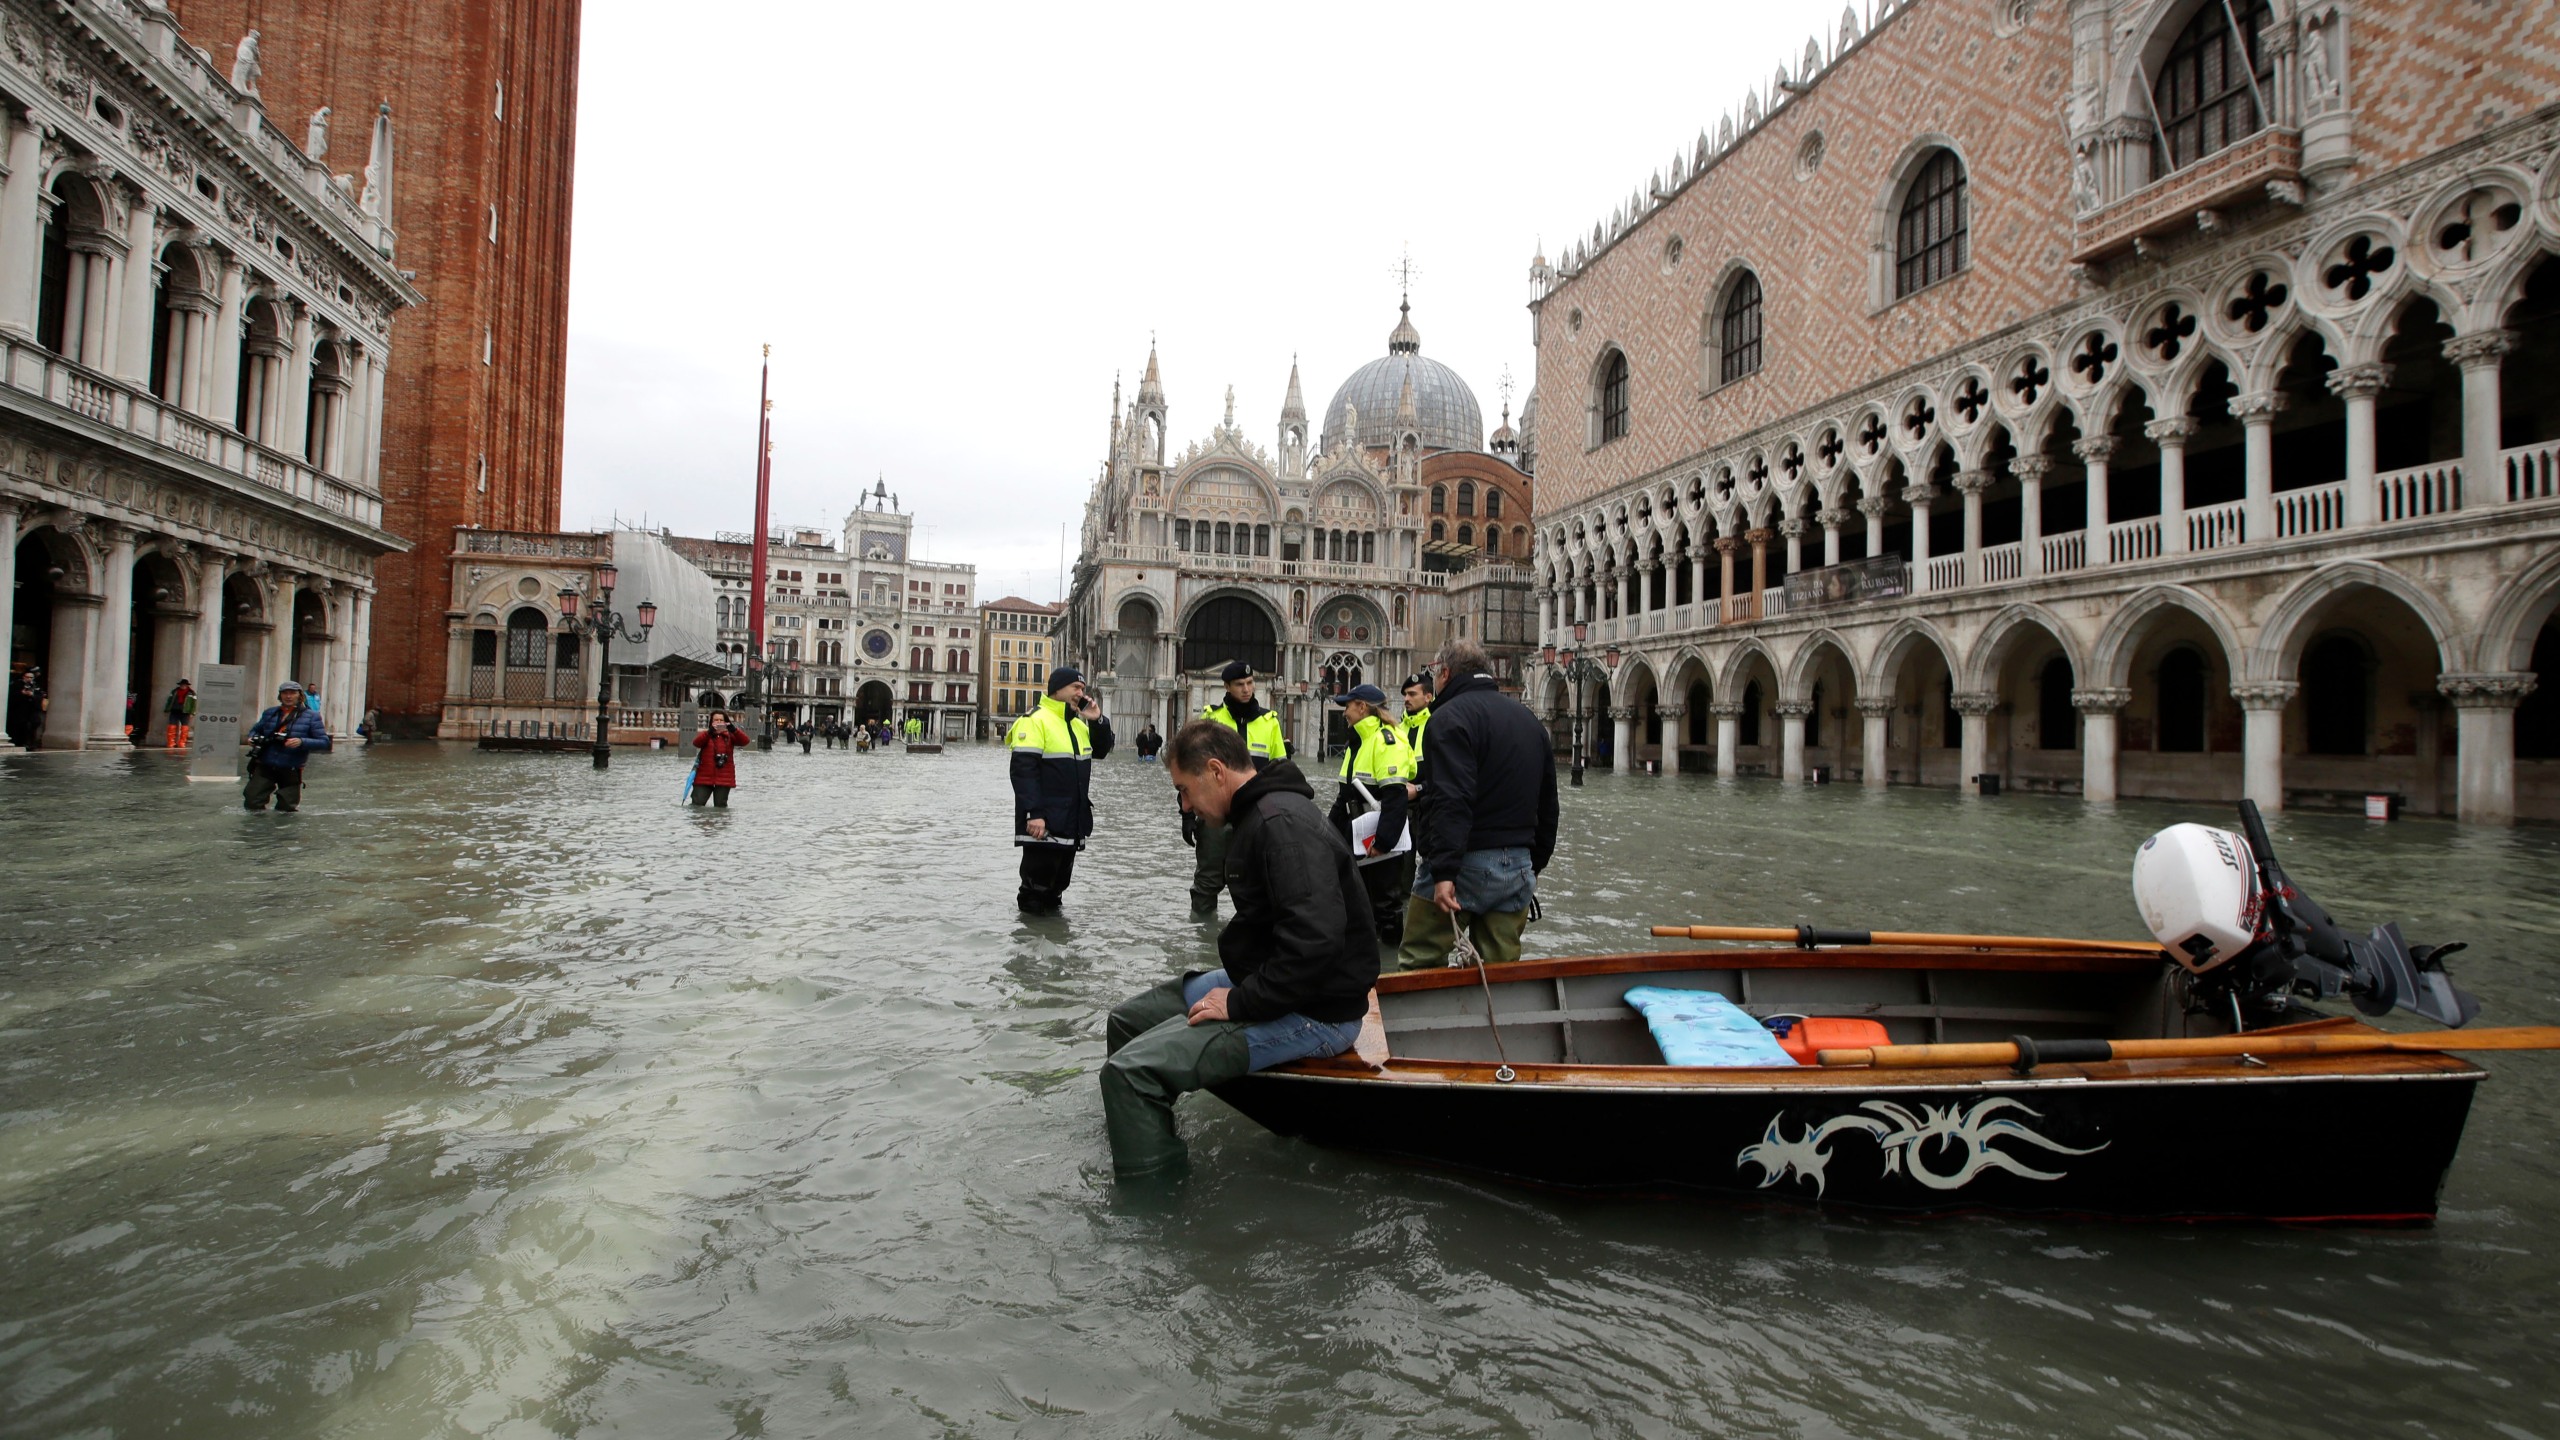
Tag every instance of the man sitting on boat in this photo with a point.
(1299, 956)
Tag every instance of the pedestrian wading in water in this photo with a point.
(1296, 962)
(715, 768)
(1054, 747)
(286, 736)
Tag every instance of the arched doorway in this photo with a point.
(873, 703)
(157, 645)
(1230, 627)
(47, 566)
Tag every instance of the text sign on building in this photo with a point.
(216, 755)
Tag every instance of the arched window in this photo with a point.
(1492, 503)
(1466, 534)
(1439, 499)
(1262, 541)
(2206, 90)
(1493, 539)
(528, 640)
(1368, 547)
(1932, 239)
(1738, 330)
(1181, 534)
(1439, 530)
(1613, 391)
(1466, 497)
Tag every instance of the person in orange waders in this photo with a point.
(180, 708)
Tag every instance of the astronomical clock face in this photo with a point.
(1340, 626)
(876, 644)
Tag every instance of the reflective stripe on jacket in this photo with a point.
(1053, 755)
(1262, 738)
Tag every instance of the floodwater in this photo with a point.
(490, 1096)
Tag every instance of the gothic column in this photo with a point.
(1759, 538)
(112, 656)
(75, 634)
(2031, 470)
(2258, 450)
(2479, 356)
(1791, 715)
(1793, 528)
(2262, 740)
(142, 269)
(2484, 707)
(1624, 582)
(1873, 507)
(2094, 453)
(2171, 436)
(2098, 707)
(1672, 735)
(2358, 385)
(292, 434)
(1975, 709)
(10, 512)
(360, 655)
(90, 302)
(1725, 546)
(1917, 495)
(1971, 485)
(213, 569)
(342, 612)
(1622, 730)
(1831, 521)
(1698, 586)
(1874, 768)
(222, 391)
(1728, 715)
(21, 225)
(191, 330)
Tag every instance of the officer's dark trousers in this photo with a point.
(1208, 866)
(1046, 869)
(284, 785)
(1388, 882)
(1151, 1055)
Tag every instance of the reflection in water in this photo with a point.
(490, 1095)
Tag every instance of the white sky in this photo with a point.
(954, 223)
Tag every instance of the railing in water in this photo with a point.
(2216, 527)
(2314, 511)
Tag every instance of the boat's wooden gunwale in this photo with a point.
(1739, 957)
(2388, 1065)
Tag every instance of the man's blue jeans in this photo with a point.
(1154, 1053)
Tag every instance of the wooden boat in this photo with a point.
(1589, 1104)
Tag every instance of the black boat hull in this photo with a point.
(2362, 1148)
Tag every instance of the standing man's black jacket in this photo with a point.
(1488, 778)
(1302, 941)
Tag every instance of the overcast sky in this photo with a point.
(955, 223)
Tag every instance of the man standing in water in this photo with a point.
(1485, 822)
(1296, 962)
(1260, 729)
(280, 744)
(1054, 747)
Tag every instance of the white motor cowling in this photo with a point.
(2197, 888)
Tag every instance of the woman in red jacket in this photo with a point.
(715, 774)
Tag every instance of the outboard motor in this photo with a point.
(2229, 915)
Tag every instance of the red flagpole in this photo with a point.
(764, 500)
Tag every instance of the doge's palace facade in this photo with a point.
(2115, 397)
(194, 327)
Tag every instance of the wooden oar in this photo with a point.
(1806, 937)
(2066, 1052)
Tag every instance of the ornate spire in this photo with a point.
(1404, 339)
(1151, 385)
(1295, 407)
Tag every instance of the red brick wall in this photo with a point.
(439, 63)
(2423, 74)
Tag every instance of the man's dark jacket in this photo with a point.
(303, 725)
(1488, 778)
(1303, 941)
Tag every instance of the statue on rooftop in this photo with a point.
(244, 66)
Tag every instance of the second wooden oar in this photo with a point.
(1806, 937)
(2083, 1052)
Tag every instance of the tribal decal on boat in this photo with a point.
(1910, 1141)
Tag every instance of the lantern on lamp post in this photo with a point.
(603, 623)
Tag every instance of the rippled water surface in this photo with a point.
(492, 1096)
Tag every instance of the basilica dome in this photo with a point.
(1446, 410)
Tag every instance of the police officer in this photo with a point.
(1417, 710)
(1054, 746)
(1260, 728)
(1377, 771)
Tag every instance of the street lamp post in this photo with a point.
(1578, 668)
(603, 622)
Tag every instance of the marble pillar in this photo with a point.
(1791, 715)
(2098, 707)
(1971, 485)
(2030, 470)
(21, 225)
(2258, 464)
(2262, 705)
(2171, 436)
(1875, 766)
(2094, 452)
(1622, 733)
(222, 391)
(112, 656)
(1918, 496)
(1975, 709)
(1726, 613)
(130, 352)
(1728, 715)
(2479, 357)
(1673, 733)
(2484, 707)
(2358, 385)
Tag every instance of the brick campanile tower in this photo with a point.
(484, 98)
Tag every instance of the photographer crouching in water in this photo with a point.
(1298, 958)
(284, 739)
